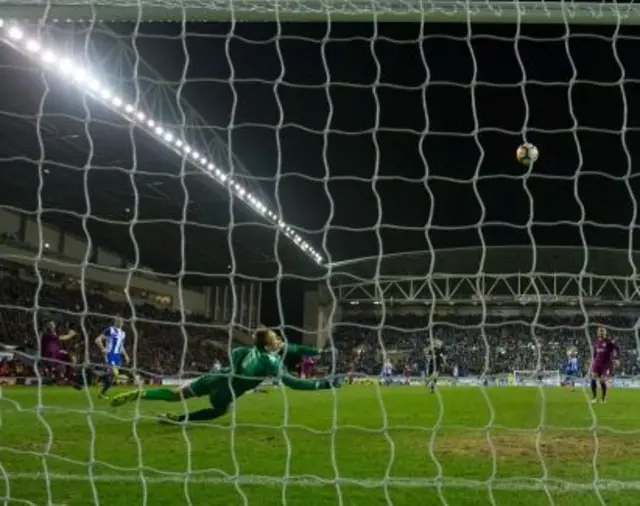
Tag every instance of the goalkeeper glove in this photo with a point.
(333, 382)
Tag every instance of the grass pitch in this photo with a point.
(398, 445)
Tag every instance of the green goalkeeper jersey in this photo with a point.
(290, 349)
(248, 369)
(252, 365)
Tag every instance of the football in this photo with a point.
(527, 153)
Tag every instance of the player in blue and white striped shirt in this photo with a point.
(387, 372)
(111, 344)
(571, 368)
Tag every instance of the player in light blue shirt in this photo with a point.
(571, 368)
(111, 344)
(387, 372)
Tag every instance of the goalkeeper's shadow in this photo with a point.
(164, 425)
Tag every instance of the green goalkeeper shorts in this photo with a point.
(215, 386)
(206, 384)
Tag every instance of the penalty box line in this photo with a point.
(524, 484)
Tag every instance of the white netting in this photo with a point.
(359, 141)
(536, 378)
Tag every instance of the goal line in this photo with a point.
(519, 484)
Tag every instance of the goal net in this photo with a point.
(536, 378)
(196, 178)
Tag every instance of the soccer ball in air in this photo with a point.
(527, 153)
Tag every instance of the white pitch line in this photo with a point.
(525, 484)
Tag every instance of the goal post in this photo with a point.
(437, 11)
(326, 443)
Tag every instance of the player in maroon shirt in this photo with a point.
(407, 374)
(51, 346)
(605, 350)
(306, 367)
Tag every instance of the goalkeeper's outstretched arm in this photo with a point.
(303, 384)
(299, 350)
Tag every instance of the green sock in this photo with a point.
(160, 394)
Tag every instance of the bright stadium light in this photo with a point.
(94, 85)
(81, 76)
(15, 33)
(83, 79)
(105, 94)
(32, 46)
(48, 57)
(66, 67)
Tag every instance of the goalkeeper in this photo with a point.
(283, 349)
(249, 367)
(286, 350)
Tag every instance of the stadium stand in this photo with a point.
(490, 325)
(489, 345)
(497, 346)
(158, 329)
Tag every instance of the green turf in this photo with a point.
(398, 445)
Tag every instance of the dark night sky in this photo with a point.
(405, 132)
(386, 138)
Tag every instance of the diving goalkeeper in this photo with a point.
(283, 349)
(249, 367)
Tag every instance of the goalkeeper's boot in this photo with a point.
(169, 419)
(335, 381)
(120, 400)
(104, 397)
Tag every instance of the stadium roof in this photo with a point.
(77, 164)
(492, 260)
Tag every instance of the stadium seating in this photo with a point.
(161, 337)
(493, 346)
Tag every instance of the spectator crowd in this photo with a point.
(160, 344)
(478, 345)
(157, 342)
